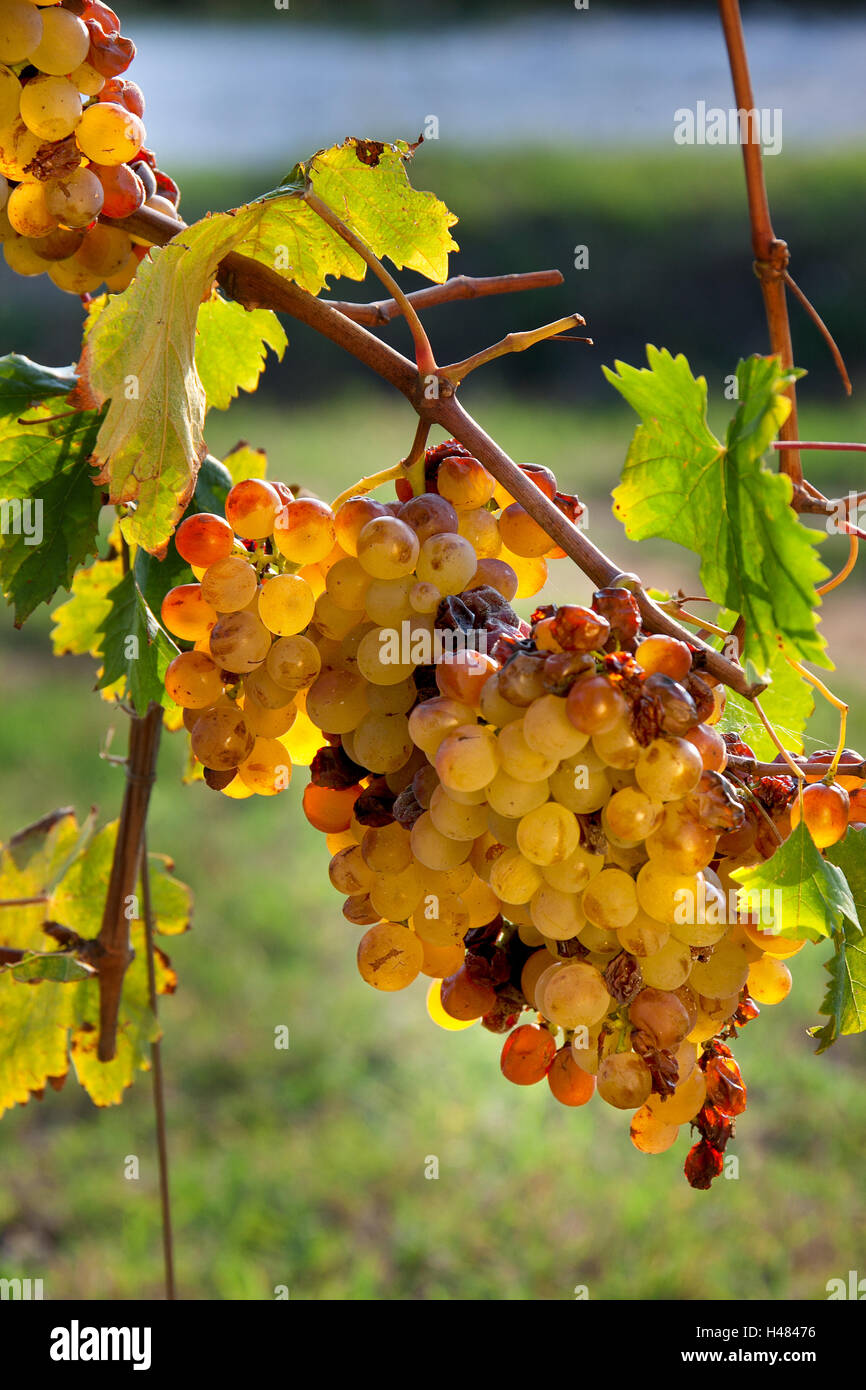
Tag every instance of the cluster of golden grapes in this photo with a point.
(72, 146)
(535, 815)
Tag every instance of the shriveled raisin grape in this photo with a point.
(579, 629)
(521, 679)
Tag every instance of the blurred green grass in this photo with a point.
(306, 1167)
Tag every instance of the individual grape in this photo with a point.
(388, 602)
(557, 915)
(493, 705)
(387, 548)
(577, 996)
(446, 560)
(710, 745)
(594, 705)
(617, 746)
(724, 973)
(435, 850)
(220, 737)
(521, 761)
(825, 811)
(684, 1104)
(481, 529)
(229, 585)
(109, 134)
(441, 961)
(10, 96)
(50, 107)
(251, 505)
(480, 902)
(424, 598)
(511, 798)
(122, 191)
(468, 758)
(293, 663)
(58, 245)
(521, 680)
(661, 1015)
(379, 657)
(579, 789)
(239, 642)
(578, 629)
(303, 739)
(651, 1135)
(304, 531)
(382, 742)
(390, 956)
(28, 213)
(428, 515)
(643, 935)
(438, 1013)
(360, 912)
(521, 534)
(262, 689)
(268, 769)
(548, 834)
(204, 538)
(352, 517)
(329, 809)
(286, 604)
(87, 79)
(513, 878)
(331, 620)
(570, 1084)
(769, 980)
(337, 701)
(624, 1080)
(433, 720)
(185, 613)
(610, 900)
(263, 721)
(347, 584)
(780, 947)
(602, 945)
(124, 93)
(193, 681)
(20, 30)
(547, 728)
(631, 815)
(572, 875)
(527, 1053)
(668, 967)
(666, 656)
(72, 277)
(668, 769)
(495, 574)
(461, 675)
(534, 967)
(18, 148)
(441, 918)
(64, 43)
(669, 897)
(104, 250)
(848, 756)
(465, 482)
(392, 699)
(502, 828)
(680, 844)
(397, 896)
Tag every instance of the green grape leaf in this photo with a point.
(212, 487)
(844, 1004)
(55, 1014)
(245, 462)
(798, 891)
(78, 621)
(231, 347)
(719, 500)
(49, 510)
(141, 349)
(135, 648)
(788, 702)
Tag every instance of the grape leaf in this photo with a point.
(245, 462)
(681, 483)
(50, 508)
(78, 621)
(813, 895)
(45, 1021)
(788, 703)
(845, 1000)
(140, 352)
(135, 648)
(231, 347)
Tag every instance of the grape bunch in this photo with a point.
(72, 146)
(532, 814)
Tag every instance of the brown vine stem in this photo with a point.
(114, 952)
(382, 311)
(753, 767)
(771, 254)
(157, 1079)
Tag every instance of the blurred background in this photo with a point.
(307, 1168)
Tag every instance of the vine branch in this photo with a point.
(382, 311)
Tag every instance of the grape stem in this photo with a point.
(382, 311)
(424, 358)
(795, 768)
(754, 767)
(853, 550)
(365, 485)
(835, 702)
(412, 466)
(513, 342)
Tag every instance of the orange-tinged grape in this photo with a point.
(265, 722)
(28, 212)
(480, 902)
(527, 1053)
(351, 518)
(124, 277)
(104, 250)
(64, 44)
(624, 1080)
(204, 538)
(441, 918)
(72, 277)
(631, 815)
(435, 1008)
(239, 642)
(390, 956)
(781, 947)
(18, 148)
(441, 961)
(230, 584)
(348, 872)
(769, 980)
(681, 844)
(268, 769)
(661, 1015)
(313, 575)
(329, 809)
(549, 834)
(293, 662)
(664, 655)
(50, 107)
(237, 790)
(464, 998)
(461, 675)
(825, 811)
(286, 604)
(337, 701)
(669, 768)
(650, 1135)
(251, 508)
(481, 529)
(303, 739)
(521, 534)
(499, 575)
(185, 613)
(594, 705)
(465, 482)
(109, 134)
(304, 531)
(220, 737)
(710, 745)
(359, 911)
(570, 1084)
(341, 839)
(448, 561)
(396, 895)
(193, 680)
(387, 548)
(685, 1102)
(386, 848)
